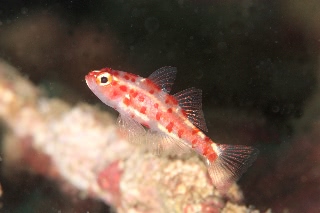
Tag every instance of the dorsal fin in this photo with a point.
(191, 102)
(164, 77)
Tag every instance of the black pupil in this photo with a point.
(104, 80)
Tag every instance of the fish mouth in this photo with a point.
(91, 75)
(89, 80)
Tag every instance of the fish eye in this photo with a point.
(104, 79)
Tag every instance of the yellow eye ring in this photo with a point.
(104, 79)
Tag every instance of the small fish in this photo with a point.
(172, 120)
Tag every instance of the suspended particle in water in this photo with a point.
(275, 108)
(24, 10)
(151, 24)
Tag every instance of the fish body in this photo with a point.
(172, 120)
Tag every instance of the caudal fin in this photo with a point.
(232, 162)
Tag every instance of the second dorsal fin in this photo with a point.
(191, 102)
(164, 77)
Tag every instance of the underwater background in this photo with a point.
(256, 61)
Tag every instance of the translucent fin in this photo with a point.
(232, 162)
(164, 78)
(191, 102)
(132, 130)
(163, 144)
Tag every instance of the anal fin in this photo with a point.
(231, 163)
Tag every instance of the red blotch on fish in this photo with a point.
(156, 105)
(152, 85)
(133, 93)
(194, 143)
(111, 71)
(141, 98)
(195, 131)
(180, 132)
(212, 156)
(171, 100)
(126, 101)
(158, 116)
(123, 88)
(114, 94)
(143, 110)
(169, 127)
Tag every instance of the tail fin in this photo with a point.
(232, 162)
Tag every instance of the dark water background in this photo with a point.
(256, 61)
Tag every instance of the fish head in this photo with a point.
(103, 84)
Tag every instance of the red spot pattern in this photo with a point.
(211, 156)
(180, 132)
(184, 113)
(158, 115)
(169, 110)
(133, 77)
(111, 71)
(123, 88)
(141, 98)
(169, 127)
(126, 101)
(171, 100)
(195, 131)
(133, 93)
(152, 86)
(206, 149)
(114, 94)
(156, 105)
(194, 143)
(143, 110)
(114, 83)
